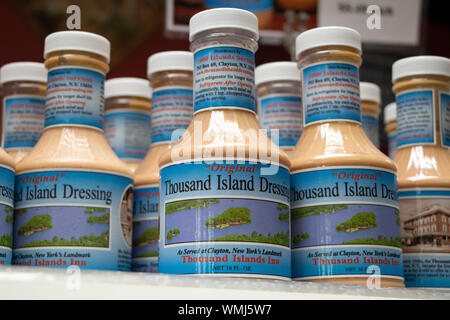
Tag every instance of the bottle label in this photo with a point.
(282, 113)
(250, 5)
(445, 118)
(224, 77)
(331, 92)
(222, 217)
(145, 228)
(6, 213)
(73, 217)
(415, 118)
(370, 127)
(425, 218)
(345, 223)
(23, 121)
(171, 113)
(392, 144)
(128, 132)
(75, 97)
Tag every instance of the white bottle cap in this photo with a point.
(23, 71)
(390, 112)
(411, 66)
(170, 60)
(135, 87)
(370, 92)
(277, 71)
(223, 18)
(79, 41)
(327, 36)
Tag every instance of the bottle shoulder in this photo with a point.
(6, 159)
(148, 170)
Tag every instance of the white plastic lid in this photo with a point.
(77, 40)
(390, 112)
(23, 71)
(170, 60)
(370, 92)
(420, 65)
(135, 87)
(223, 18)
(327, 36)
(277, 71)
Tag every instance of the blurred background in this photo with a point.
(139, 28)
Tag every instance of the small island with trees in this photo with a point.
(101, 241)
(278, 238)
(189, 204)
(38, 223)
(360, 221)
(230, 217)
(381, 241)
(151, 235)
(298, 213)
(104, 219)
(6, 240)
(91, 210)
(300, 237)
(172, 233)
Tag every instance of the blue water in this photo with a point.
(5, 228)
(67, 222)
(322, 228)
(192, 225)
(138, 230)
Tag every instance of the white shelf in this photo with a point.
(46, 283)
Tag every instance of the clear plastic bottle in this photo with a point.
(170, 74)
(421, 85)
(225, 184)
(278, 91)
(7, 166)
(71, 184)
(23, 104)
(390, 126)
(127, 118)
(370, 95)
(344, 217)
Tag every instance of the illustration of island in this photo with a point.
(283, 216)
(6, 238)
(230, 217)
(104, 219)
(360, 221)
(278, 238)
(147, 237)
(101, 241)
(381, 241)
(298, 213)
(300, 237)
(172, 233)
(36, 224)
(189, 204)
(91, 210)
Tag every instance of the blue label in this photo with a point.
(425, 219)
(250, 5)
(445, 118)
(73, 217)
(225, 218)
(331, 92)
(128, 133)
(23, 121)
(75, 97)
(415, 118)
(145, 228)
(370, 127)
(171, 113)
(392, 144)
(343, 221)
(6, 214)
(282, 113)
(224, 77)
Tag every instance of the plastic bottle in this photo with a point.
(73, 201)
(23, 104)
(421, 85)
(343, 189)
(390, 123)
(370, 95)
(7, 166)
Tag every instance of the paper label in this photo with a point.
(6, 214)
(445, 118)
(370, 127)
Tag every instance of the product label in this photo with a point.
(415, 118)
(445, 118)
(392, 144)
(23, 121)
(370, 127)
(225, 218)
(6, 213)
(224, 77)
(145, 228)
(73, 217)
(75, 97)
(128, 133)
(282, 113)
(171, 113)
(345, 223)
(250, 5)
(331, 92)
(425, 219)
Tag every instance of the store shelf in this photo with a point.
(39, 283)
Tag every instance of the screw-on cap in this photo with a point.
(390, 112)
(327, 36)
(23, 71)
(170, 60)
(277, 71)
(418, 65)
(223, 18)
(370, 92)
(135, 87)
(79, 41)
